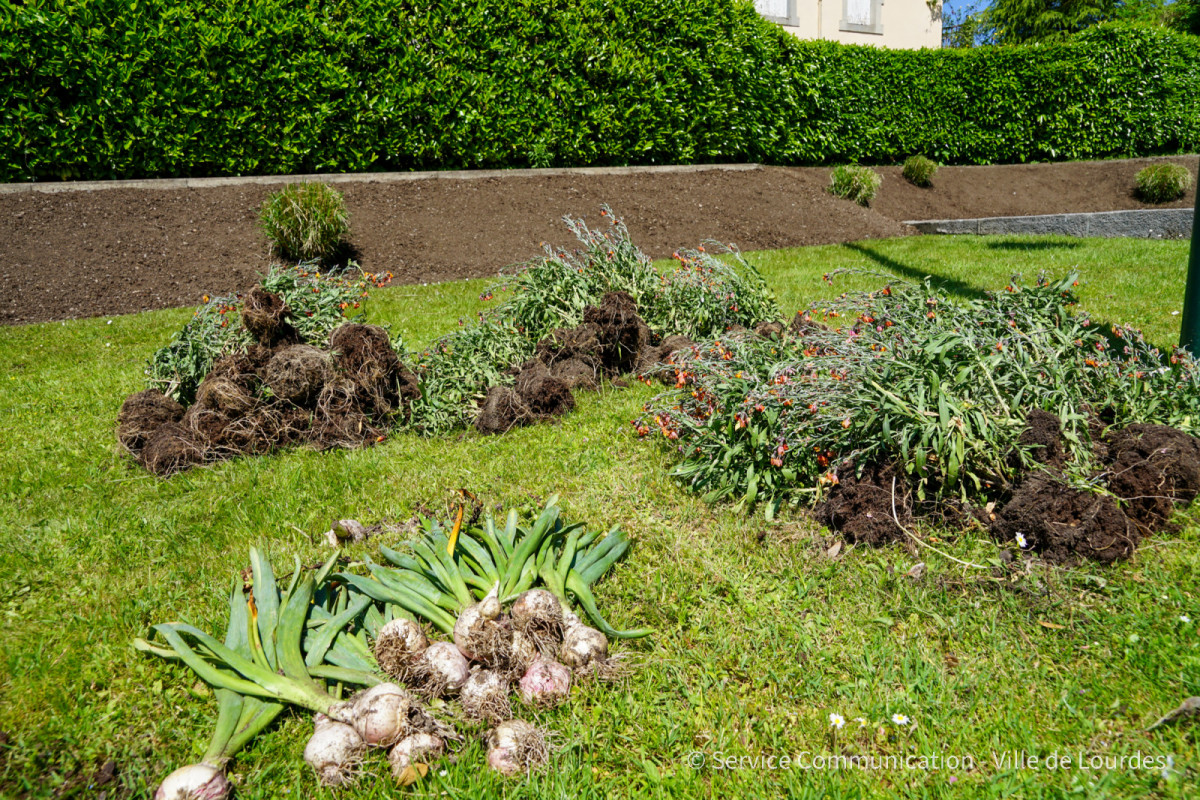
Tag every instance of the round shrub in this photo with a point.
(919, 170)
(855, 183)
(1162, 183)
(305, 221)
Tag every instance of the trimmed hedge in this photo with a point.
(118, 89)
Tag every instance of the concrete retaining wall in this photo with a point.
(1149, 223)
(359, 177)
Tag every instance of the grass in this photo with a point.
(761, 632)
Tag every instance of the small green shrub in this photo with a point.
(305, 221)
(1162, 183)
(855, 183)
(919, 171)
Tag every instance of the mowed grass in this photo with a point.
(762, 630)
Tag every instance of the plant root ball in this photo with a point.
(399, 644)
(581, 343)
(441, 670)
(364, 354)
(195, 782)
(576, 373)
(173, 448)
(516, 747)
(298, 373)
(1153, 468)
(224, 395)
(622, 332)
(545, 684)
(334, 751)
(342, 419)
(538, 614)
(545, 395)
(485, 696)
(142, 414)
(502, 410)
(419, 748)
(265, 315)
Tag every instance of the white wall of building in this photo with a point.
(910, 24)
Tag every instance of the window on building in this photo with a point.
(781, 11)
(862, 16)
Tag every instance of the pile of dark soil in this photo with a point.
(280, 392)
(612, 340)
(861, 507)
(1148, 471)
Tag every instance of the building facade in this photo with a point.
(908, 24)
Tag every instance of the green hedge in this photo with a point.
(135, 88)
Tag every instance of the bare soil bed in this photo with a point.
(90, 253)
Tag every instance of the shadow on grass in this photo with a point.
(952, 285)
(1031, 247)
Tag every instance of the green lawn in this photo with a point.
(761, 633)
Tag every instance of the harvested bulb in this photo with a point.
(195, 782)
(382, 714)
(546, 683)
(419, 748)
(442, 669)
(516, 746)
(334, 751)
(485, 696)
(479, 635)
(398, 646)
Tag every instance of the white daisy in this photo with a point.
(899, 719)
(836, 721)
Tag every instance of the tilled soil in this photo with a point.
(114, 251)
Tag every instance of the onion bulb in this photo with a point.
(583, 646)
(195, 782)
(399, 644)
(334, 751)
(442, 669)
(385, 714)
(546, 683)
(480, 635)
(420, 748)
(516, 746)
(485, 696)
(521, 653)
(539, 614)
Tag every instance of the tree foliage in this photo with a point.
(1027, 21)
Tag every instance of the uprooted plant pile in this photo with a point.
(574, 318)
(501, 595)
(1010, 412)
(267, 383)
(294, 372)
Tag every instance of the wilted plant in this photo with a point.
(919, 171)
(305, 221)
(855, 183)
(1163, 183)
